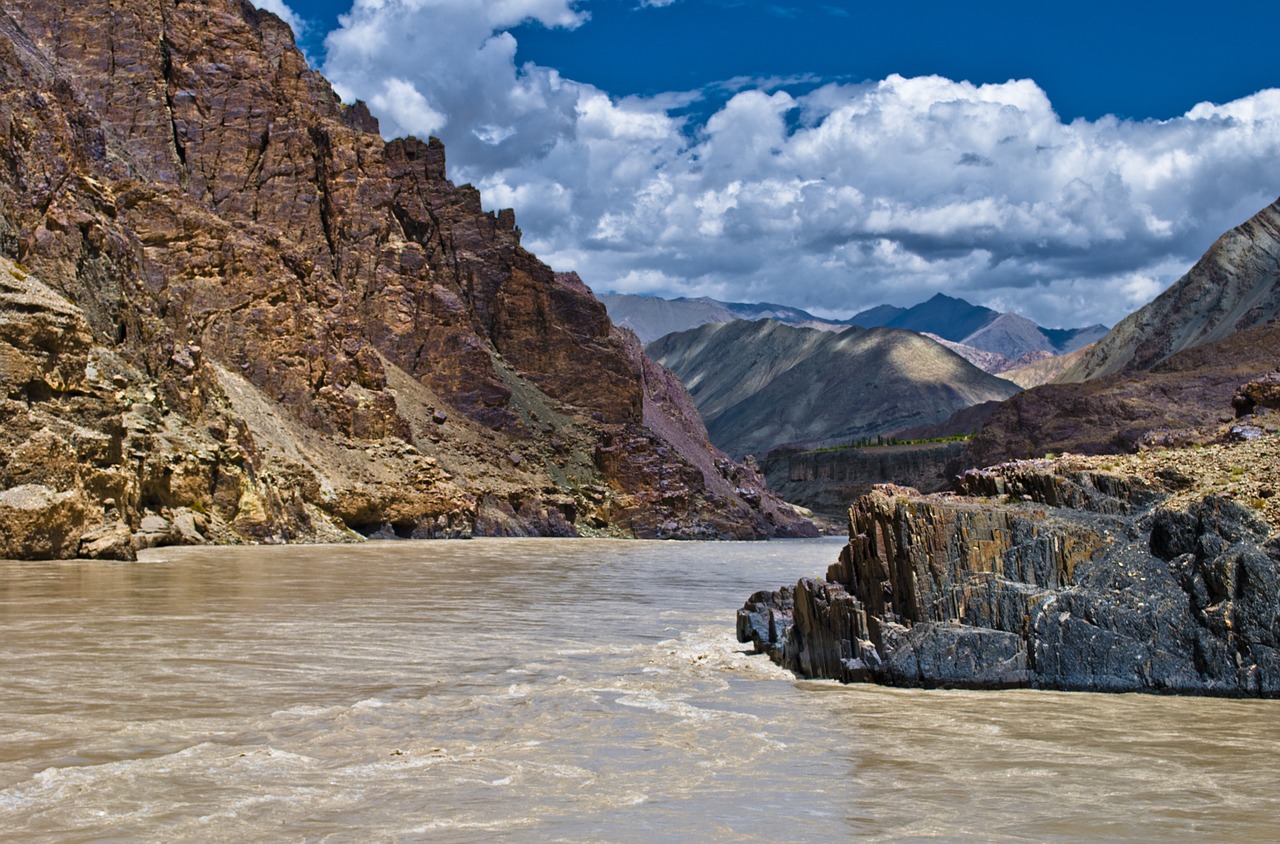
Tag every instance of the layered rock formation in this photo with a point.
(231, 311)
(1158, 573)
(760, 385)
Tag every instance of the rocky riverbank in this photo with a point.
(1156, 572)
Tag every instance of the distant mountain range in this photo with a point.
(980, 332)
(763, 384)
(651, 317)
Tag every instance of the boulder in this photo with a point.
(110, 541)
(39, 523)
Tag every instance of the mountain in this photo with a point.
(986, 361)
(1008, 335)
(762, 384)
(231, 311)
(650, 317)
(878, 316)
(1166, 374)
(1235, 285)
(946, 316)
(1011, 336)
(991, 340)
(1182, 401)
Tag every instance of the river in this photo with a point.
(548, 690)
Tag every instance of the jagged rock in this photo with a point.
(37, 522)
(1262, 392)
(1050, 574)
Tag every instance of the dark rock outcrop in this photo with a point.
(1050, 574)
(827, 482)
(228, 305)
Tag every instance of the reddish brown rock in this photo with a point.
(230, 296)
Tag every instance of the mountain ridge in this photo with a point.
(984, 330)
(1234, 285)
(760, 385)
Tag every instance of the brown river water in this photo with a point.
(548, 690)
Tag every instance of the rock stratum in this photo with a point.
(1157, 572)
(231, 311)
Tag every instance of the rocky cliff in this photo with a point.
(230, 311)
(1157, 572)
(828, 481)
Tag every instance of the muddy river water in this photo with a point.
(548, 690)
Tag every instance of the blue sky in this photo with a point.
(1050, 158)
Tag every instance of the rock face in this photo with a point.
(1161, 574)
(227, 303)
(760, 385)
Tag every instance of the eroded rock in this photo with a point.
(1047, 574)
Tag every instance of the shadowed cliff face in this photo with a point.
(289, 326)
(1161, 573)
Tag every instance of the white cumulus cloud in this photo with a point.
(832, 198)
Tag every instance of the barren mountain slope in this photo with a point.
(1175, 402)
(760, 385)
(1236, 285)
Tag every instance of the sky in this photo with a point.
(1066, 161)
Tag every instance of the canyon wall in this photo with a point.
(827, 482)
(231, 311)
